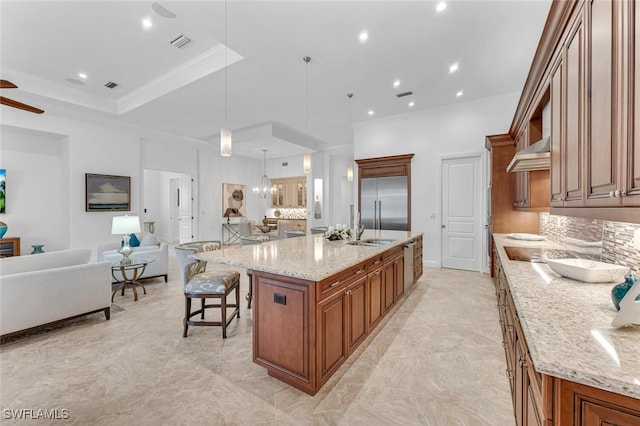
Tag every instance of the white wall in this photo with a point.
(430, 135)
(95, 144)
(39, 161)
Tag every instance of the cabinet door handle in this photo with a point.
(335, 284)
(509, 374)
(359, 271)
(376, 262)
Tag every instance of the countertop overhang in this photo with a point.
(567, 325)
(312, 257)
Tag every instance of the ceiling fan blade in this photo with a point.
(6, 84)
(19, 105)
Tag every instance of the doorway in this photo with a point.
(462, 212)
(169, 202)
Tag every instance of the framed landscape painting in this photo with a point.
(107, 193)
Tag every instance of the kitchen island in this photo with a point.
(316, 301)
(565, 362)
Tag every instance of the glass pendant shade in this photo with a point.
(306, 163)
(350, 174)
(264, 188)
(225, 142)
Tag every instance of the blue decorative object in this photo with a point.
(3, 229)
(620, 290)
(37, 248)
(133, 241)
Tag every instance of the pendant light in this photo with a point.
(350, 168)
(306, 162)
(225, 132)
(264, 187)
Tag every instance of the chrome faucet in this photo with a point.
(359, 230)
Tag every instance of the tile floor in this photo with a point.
(437, 360)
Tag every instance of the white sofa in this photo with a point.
(44, 288)
(150, 248)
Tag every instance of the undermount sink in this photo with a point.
(371, 242)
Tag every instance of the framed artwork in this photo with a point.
(233, 204)
(3, 185)
(107, 193)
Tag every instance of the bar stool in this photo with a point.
(200, 284)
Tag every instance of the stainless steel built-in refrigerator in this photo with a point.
(384, 203)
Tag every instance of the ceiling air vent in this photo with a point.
(111, 85)
(404, 94)
(179, 41)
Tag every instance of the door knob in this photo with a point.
(444, 226)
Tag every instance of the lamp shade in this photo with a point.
(125, 225)
(350, 174)
(225, 142)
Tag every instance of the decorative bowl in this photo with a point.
(589, 271)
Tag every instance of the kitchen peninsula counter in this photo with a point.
(315, 301)
(567, 328)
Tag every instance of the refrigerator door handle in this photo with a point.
(375, 214)
(379, 214)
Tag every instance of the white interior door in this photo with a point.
(181, 210)
(462, 213)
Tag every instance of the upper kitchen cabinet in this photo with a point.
(289, 192)
(588, 61)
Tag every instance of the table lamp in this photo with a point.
(125, 225)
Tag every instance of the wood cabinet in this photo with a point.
(305, 330)
(375, 294)
(417, 258)
(289, 192)
(528, 387)
(10, 247)
(587, 406)
(539, 399)
(588, 59)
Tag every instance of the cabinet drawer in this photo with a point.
(374, 263)
(338, 282)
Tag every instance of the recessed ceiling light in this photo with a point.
(453, 68)
(459, 94)
(82, 75)
(411, 104)
(371, 112)
(363, 37)
(396, 83)
(441, 6)
(146, 23)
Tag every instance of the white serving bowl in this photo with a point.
(588, 271)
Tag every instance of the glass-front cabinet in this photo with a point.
(289, 192)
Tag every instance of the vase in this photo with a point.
(265, 221)
(3, 229)
(37, 248)
(620, 290)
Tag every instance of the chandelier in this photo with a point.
(264, 188)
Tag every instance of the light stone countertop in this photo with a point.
(312, 257)
(567, 325)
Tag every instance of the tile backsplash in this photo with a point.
(616, 237)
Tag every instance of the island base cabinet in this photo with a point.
(303, 331)
(282, 336)
(332, 326)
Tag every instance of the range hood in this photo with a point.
(533, 157)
